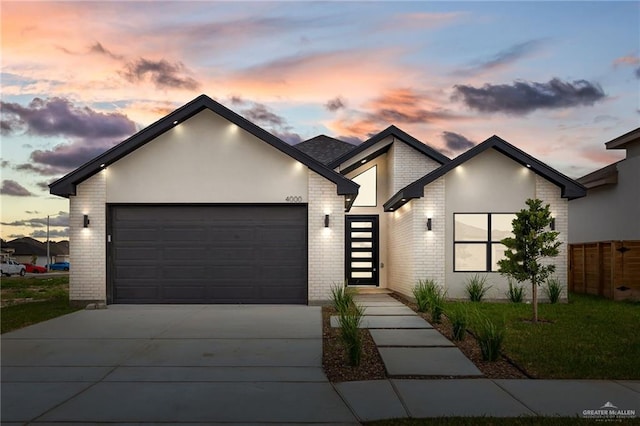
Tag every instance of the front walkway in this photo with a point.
(409, 346)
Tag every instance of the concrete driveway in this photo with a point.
(171, 363)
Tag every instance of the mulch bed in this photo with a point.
(337, 369)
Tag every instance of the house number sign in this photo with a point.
(294, 199)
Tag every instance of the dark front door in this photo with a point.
(362, 250)
(208, 254)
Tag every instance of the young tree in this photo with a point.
(531, 242)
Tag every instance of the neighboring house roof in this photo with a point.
(389, 131)
(27, 246)
(66, 186)
(325, 149)
(604, 176)
(570, 188)
(621, 141)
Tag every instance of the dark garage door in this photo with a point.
(208, 254)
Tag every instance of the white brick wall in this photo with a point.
(87, 252)
(408, 165)
(550, 194)
(326, 245)
(416, 253)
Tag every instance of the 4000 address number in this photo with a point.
(294, 199)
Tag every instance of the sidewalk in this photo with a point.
(409, 346)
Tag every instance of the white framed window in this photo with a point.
(476, 240)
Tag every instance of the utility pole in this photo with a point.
(48, 250)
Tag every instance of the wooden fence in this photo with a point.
(607, 268)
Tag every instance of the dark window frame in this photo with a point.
(375, 204)
(488, 242)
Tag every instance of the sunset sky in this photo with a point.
(556, 79)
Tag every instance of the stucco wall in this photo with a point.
(206, 159)
(326, 245)
(493, 183)
(609, 212)
(87, 246)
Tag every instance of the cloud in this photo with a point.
(162, 73)
(334, 104)
(627, 60)
(60, 117)
(90, 132)
(61, 219)
(638, 72)
(261, 115)
(5, 163)
(457, 142)
(502, 58)
(44, 185)
(98, 48)
(31, 211)
(395, 106)
(523, 97)
(53, 233)
(11, 187)
(421, 20)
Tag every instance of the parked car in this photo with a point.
(59, 266)
(34, 269)
(9, 267)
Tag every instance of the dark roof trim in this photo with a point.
(570, 188)
(399, 134)
(66, 185)
(621, 141)
(607, 175)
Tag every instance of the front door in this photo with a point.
(361, 250)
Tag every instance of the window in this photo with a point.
(367, 193)
(476, 240)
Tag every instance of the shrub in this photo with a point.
(436, 305)
(422, 292)
(490, 337)
(515, 292)
(553, 289)
(350, 333)
(341, 297)
(477, 287)
(459, 318)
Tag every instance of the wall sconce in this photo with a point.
(326, 220)
(85, 220)
(429, 224)
(553, 224)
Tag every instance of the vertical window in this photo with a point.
(367, 193)
(476, 240)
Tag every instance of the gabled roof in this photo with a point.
(621, 141)
(66, 185)
(397, 133)
(570, 188)
(325, 149)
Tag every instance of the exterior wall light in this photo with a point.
(553, 224)
(429, 224)
(85, 221)
(326, 220)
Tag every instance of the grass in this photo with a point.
(489, 421)
(477, 287)
(553, 289)
(50, 299)
(423, 292)
(36, 288)
(515, 292)
(19, 316)
(587, 338)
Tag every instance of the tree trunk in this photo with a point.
(534, 302)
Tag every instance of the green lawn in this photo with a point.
(49, 297)
(588, 338)
(491, 421)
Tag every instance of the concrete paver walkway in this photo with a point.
(408, 345)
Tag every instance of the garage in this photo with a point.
(207, 254)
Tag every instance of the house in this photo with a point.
(26, 249)
(611, 209)
(204, 206)
(604, 231)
